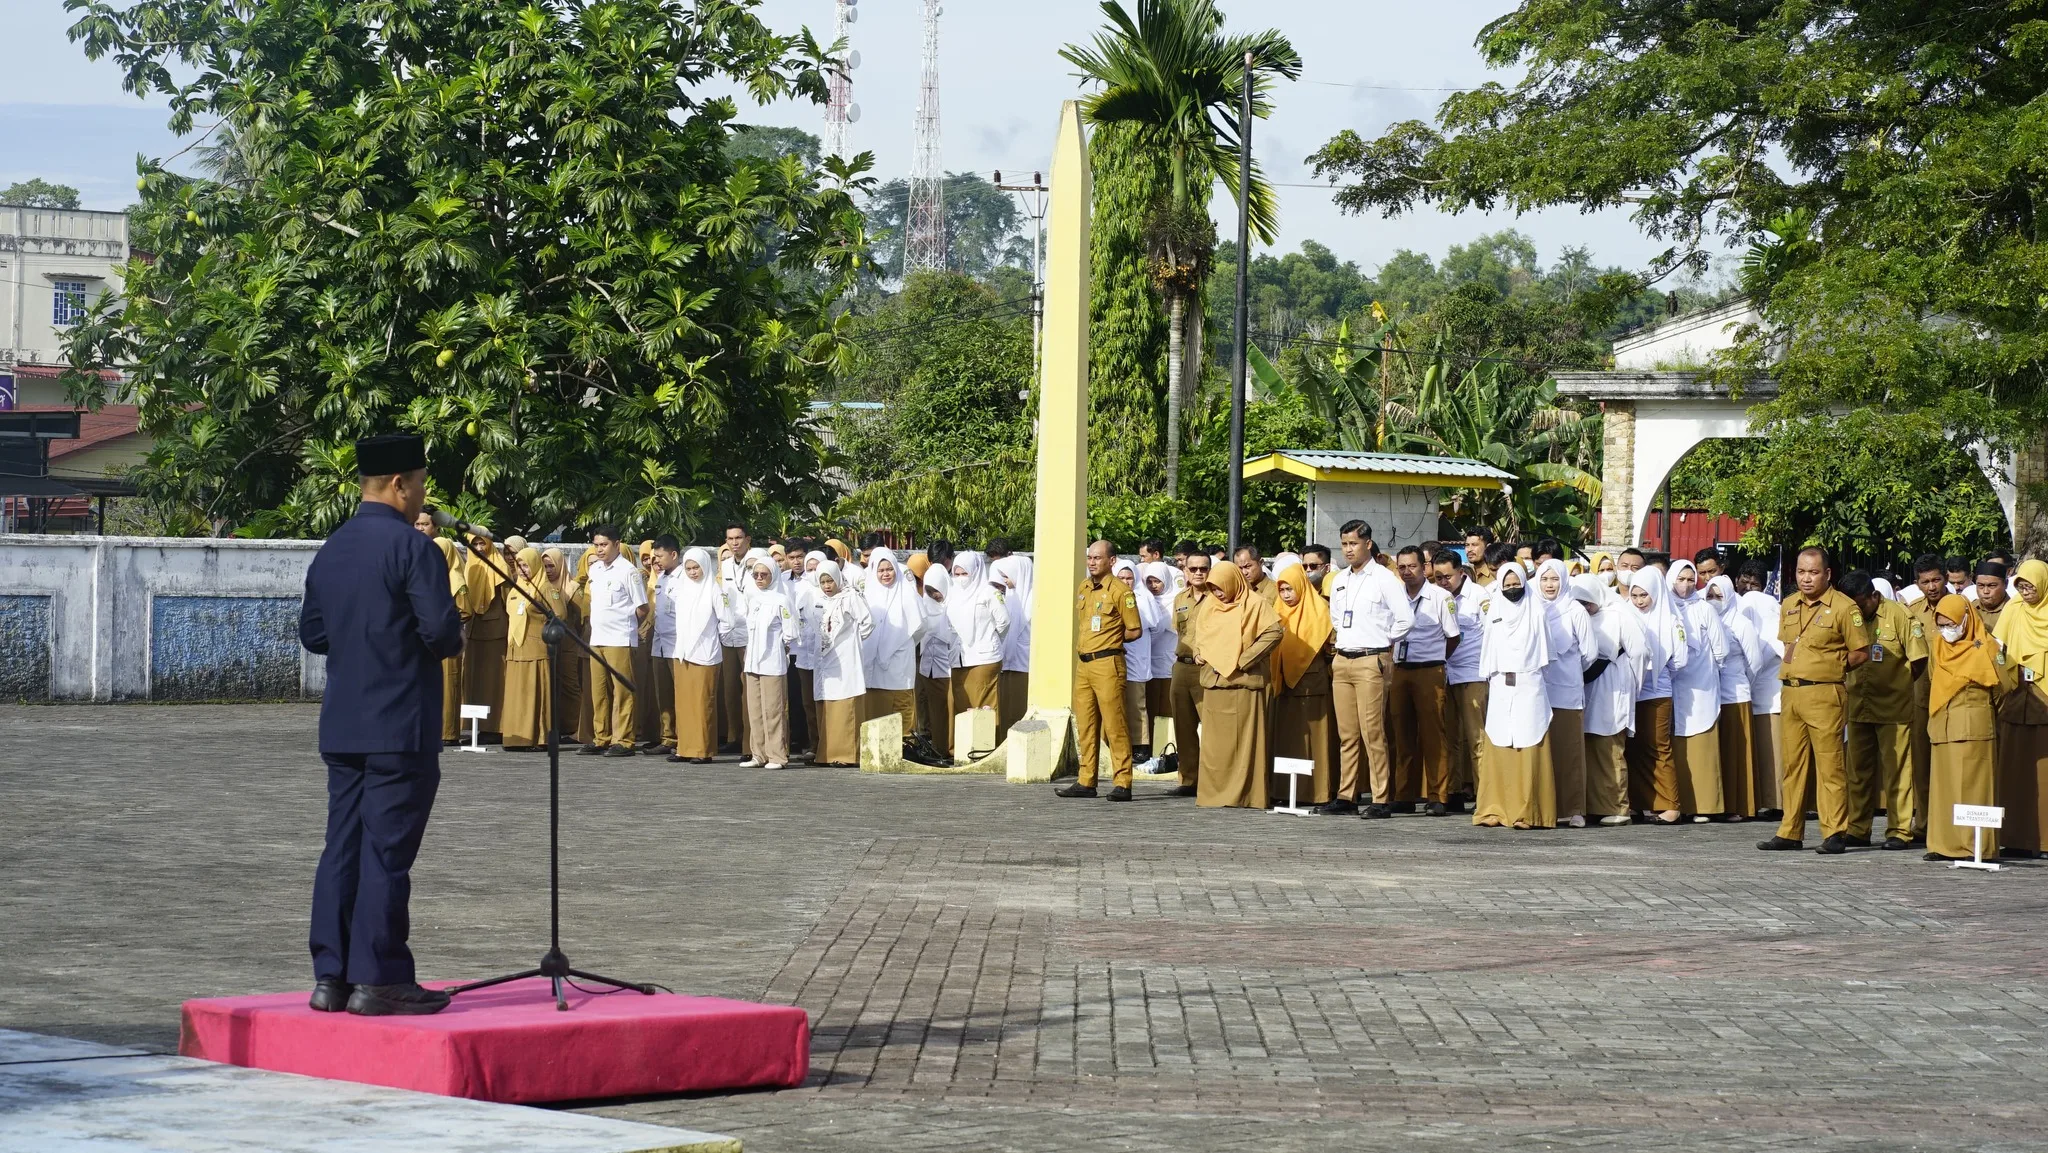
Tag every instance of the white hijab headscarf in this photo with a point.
(1661, 628)
(696, 600)
(1517, 635)
(1701, 616)
(1163, 599)
(894, 607)
(1588, 589)
(1015, 572)
(966, 592)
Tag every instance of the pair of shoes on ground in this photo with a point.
(1119, 793)
(331, 995)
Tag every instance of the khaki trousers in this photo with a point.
(1606, 775)
(1764, 760)
(1013, 696)
(1419, 707)
(1358, 694)
(1923, 759)
(1187, 721)
(611, 703)
(1568, 763)
(767, 712)
(935, 704)
(1881, 775)
(665, 698)
(1099, 717)
(1468, 736)
(1652, 762)
(1137, 718)
(1812, 732)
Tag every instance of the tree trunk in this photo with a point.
(1176, 311)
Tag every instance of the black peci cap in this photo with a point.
(390, 454)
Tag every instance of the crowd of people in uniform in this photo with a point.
(1531, 686)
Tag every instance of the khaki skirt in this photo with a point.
(1517, 788)
(838, 732)
(1699, 772)
(696, 709)
(1234, 756)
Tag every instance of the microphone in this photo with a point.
(445, 519)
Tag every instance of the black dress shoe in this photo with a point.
(1777, 844)
(1374, 812)
(622, 751)
(1934, 857)
(729, 749)
(1770, 814)
(1897, 843)
(1075, 791)
(1435, 809)
(1338, 807)
(1401, 807)
(2021, 854)
(590, 751)
(1120, 793)
(330, 995)
(1854, 842)
(408, 1000)
(1834, 846)
(678, 759)
(1181, 791)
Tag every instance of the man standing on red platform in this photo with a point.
(378, 607)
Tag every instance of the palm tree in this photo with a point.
(1171, 72)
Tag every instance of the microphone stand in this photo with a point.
(554, 964)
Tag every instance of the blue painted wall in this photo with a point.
(24, 648)
(223, 648)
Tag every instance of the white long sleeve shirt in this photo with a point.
(771, 633)
(1369, 608)
(991, 620)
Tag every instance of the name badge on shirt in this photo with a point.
(1401, 654)
(2026, 674)
(1347, 618)
(1508, 679)
(1876, 654)
(1095, 624)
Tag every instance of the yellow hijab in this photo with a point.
(839, 549)
(1965, 662)
(2023, 628)
(1235, 618)
(458, 582)
(521, 613)
(1307, 621)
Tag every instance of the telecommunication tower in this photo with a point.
(926, 243)
(840, 110)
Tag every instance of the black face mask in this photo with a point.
(1515, 593)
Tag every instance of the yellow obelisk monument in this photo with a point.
(1042, 743)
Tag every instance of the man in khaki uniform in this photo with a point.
(1253, 566)
(1933, 585)
(1187, 676)
(1824, 637)
(1107, 615)
(1880, 705)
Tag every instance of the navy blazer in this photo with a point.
(379, 607)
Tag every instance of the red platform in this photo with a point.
(509, 1043)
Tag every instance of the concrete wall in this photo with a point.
(1399, 515)
(88, 618)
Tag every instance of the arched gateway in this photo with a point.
(1656, 409)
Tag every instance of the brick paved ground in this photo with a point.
(989, 969)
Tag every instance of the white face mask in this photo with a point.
(1952, 633)
(1607, 578)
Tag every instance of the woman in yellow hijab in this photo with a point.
(558, 579)
(451, 669)
(1232, 641)
(528, 709)
(2023, 715)
(1304, 720)
(483, 655)
(1963, 676)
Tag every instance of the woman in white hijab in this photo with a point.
(1696, 697)
(1745, 650)
(1622, 660)
(1573, 650)
(889, 653)
(1765, 701)
(1013, 691)
(771, 632)
(807, 602)
(936, 655)
(840, 682)
(1652, 766)
(980, 619)
(1517, 787)
(1137, 664)
(1157, 577)
(702, 616)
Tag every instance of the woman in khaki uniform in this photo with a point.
(555, 579)
(1962, 677)
(579, 596)
(1304, 722)
(1233, 636)
(2023, 715)
(451, 669)
(528, 709)
(483, 654)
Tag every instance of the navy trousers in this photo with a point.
(377, 807)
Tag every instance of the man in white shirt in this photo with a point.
(618, 602)
(1371, 614)
(1420, 699)
(732, 700)
(668, 564)
(1467, 688)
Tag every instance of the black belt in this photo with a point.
(1418, 664)
(1185, 660)
(1808, 684)
(1354, 654)
(1086, 657)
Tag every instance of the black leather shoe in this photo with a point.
(1770, 814)
(330, 995)
(1895, 844)
(1780, 845)
(678, 759)
(396, 1001)
(1834, 846)
(1933, 857)
(1854, 842)
(1373, 813)
(1403, 807)
(622, 751)
(1338, 807)
(1181, 791)
(1075, 791)
(1120, 793)
(2020, 854)
(1435, 809)
(590, 751)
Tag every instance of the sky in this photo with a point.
(1367, 64)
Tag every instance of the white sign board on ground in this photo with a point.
(1295, 768)
(474, 714)
(1978, 818)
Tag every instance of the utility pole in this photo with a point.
(1033, 197)
(1244, 261)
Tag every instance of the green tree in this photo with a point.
(769, 143)
(518, 231)
(1908, 134)
(984, 228)
(1172, 75)
(1290, 294)
(1127, 328)
(38, 193)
